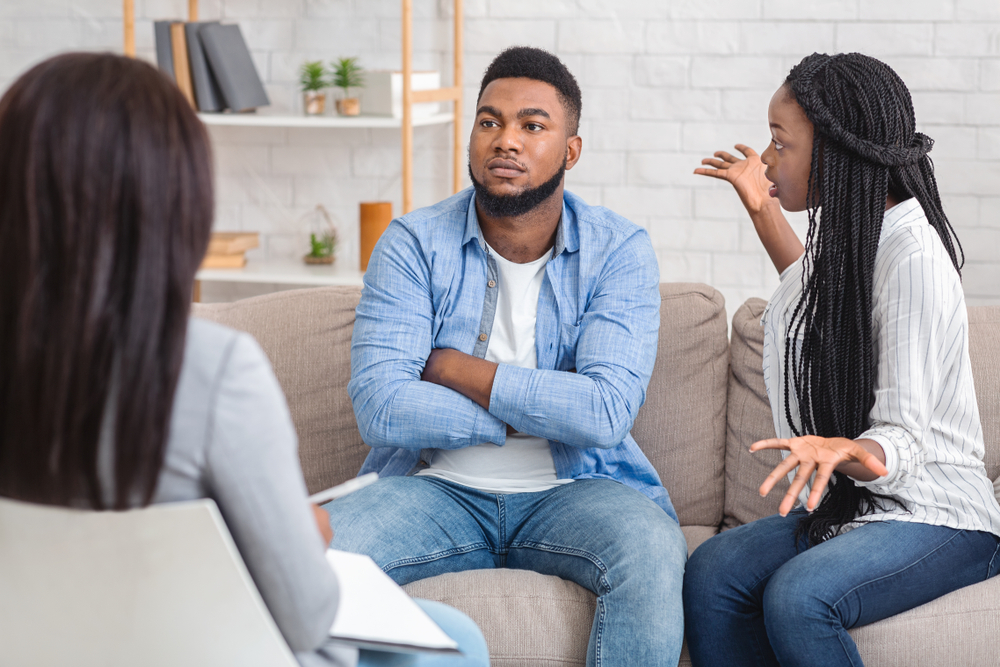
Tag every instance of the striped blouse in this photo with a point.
(925, 415)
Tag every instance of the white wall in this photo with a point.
(665, 83)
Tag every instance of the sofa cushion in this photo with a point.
(307, 336)
(958, 630)
(528, 618)
(682, 426)
(984, 350)
(748, 420)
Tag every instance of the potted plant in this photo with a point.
(323, 242)
(313, 79)
(347, 74)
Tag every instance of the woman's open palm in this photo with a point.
(745, 175)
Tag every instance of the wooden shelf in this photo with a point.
(452, 95)
(284, 273)
(355, 122)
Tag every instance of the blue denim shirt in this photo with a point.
(431, 284)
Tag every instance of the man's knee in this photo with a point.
(370, 519)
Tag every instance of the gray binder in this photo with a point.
(230, 60)
(164, 51)
(206, 89)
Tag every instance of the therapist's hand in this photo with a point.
(323, 523)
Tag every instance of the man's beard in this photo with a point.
(512, 206)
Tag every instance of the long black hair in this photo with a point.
(865, 147)
(105, 212)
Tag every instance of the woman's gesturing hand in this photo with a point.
(746, 176)
(811, 453)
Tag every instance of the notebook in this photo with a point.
(206, 88)
(230, 60)
(164, 51)
(375, 613)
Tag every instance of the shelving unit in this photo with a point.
(355, 122)
(452, 94)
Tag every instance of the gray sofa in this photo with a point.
(706, 403)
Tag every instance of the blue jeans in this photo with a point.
(456, 625)
(605, 536)
(754, 597)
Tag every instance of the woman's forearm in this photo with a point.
(776, 235)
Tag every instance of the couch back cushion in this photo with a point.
(748, 419)
(682, 426)
(307, 335)
(749, 411)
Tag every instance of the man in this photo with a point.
(502, 348)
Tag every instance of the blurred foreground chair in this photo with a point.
(163, 585)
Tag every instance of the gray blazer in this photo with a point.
(232, 439)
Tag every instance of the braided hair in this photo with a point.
(865, 148)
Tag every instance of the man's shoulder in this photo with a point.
(445, 217)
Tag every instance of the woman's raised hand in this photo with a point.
(812, 453)
(745, 175)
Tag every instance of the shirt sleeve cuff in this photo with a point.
(891, 451)
(510, 388)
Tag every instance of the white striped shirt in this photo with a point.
(925, 415)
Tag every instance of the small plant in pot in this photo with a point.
(323, 242)
(313, 78)
(348, 74)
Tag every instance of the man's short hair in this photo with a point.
(531, 63)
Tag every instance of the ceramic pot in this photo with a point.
(314, 102)
(309, 259)
(349, 106)
(375, 218)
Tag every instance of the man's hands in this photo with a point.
(323, 523)
(468, 375)
(823, 455)
(746, 177)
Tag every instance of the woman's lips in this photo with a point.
(773, 191)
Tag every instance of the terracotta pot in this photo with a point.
(314, 102)
(309, 259)
(349, 106)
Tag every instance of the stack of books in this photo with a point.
(226, 249)
(211, 64)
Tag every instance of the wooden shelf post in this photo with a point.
(128, 21)
(457, 104)
(407, 138)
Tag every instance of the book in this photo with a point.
(232, 243)
(182, 70)
(233, 67)
(224, 261)
(206, 89)
(164, 51)
(374, 612)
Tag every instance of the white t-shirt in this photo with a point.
(524, 463)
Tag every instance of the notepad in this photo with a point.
(375, 613)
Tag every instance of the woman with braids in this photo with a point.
(111, 397)
(867, 368)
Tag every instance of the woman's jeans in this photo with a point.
(601, 534)
(752, 596)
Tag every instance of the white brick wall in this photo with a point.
(665, 83)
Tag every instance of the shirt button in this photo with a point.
(492, 283)
(483, 336)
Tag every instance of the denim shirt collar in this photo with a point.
(567, 234)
